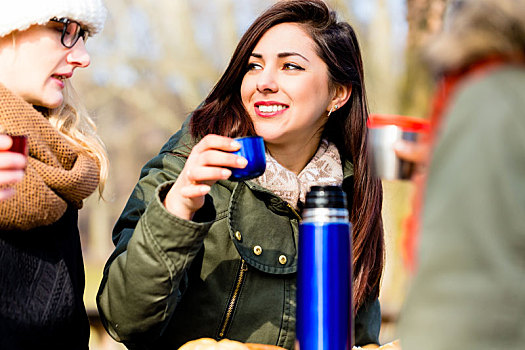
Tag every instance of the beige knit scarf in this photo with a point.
(57, 173)
(323, 169)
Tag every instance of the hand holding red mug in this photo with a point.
(416, 152)
(399, 146)
(12, 165)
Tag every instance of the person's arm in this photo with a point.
(367, 324)
(157, 237)
(141, 280)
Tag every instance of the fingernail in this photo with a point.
(5, 142)
(242, 161)
(236, 144)
(226, 173)
(6, 193)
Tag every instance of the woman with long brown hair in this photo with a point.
(198, 255)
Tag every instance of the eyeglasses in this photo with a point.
(71, 32)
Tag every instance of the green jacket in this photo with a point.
(469, 292)
(170, 280)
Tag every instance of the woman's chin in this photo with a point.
(50, 103)
(268, 134)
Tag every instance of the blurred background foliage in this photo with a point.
(157, 60)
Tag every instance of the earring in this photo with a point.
(333, 109)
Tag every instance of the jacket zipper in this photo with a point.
(233, 301)
(294, 211)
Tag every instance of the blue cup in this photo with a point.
(252, 148)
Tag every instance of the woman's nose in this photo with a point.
(267, 82)
(78, 55)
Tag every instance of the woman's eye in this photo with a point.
(292, 66)
(253, 66)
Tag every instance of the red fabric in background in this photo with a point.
(445, 90)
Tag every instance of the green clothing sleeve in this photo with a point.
(142, 278)
(367, 323)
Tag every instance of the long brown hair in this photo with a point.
(223, 113)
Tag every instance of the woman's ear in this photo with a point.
(342, 94)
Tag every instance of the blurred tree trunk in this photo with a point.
(381, 79)
(424, 19)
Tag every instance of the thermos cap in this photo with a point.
(328, 196)
(405, 123)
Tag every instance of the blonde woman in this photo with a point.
(42, 43)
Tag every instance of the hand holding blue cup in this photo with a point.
(252, 148)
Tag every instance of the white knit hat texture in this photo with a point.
(21, 14)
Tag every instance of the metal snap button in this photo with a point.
(257, 250)
(282, 259)
(238, 235)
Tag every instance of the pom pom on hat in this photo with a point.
(21, 14)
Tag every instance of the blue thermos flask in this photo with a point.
(324, 272)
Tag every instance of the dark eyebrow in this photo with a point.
(281, 55)
(288, 54)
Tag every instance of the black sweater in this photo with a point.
(42, 287)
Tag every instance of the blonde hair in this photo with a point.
(72, 120)
(475, 29)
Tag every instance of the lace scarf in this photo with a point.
(323, 169)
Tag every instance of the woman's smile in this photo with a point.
(268, 109)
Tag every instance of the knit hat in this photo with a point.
(21, 14)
